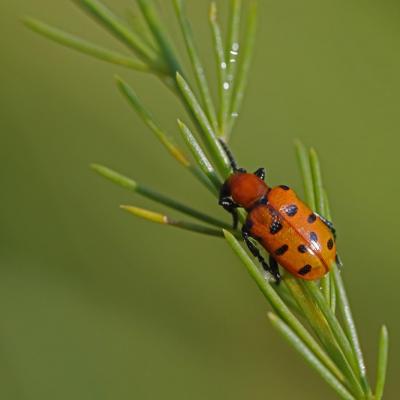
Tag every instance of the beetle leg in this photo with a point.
(260, 173)
(256, 253)
(231, 207)
(329, 224)
(274, 269)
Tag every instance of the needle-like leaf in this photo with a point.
(281, 308)
(304, 350)
(306, 174)
(232, 49)
(165, 220)
(74, 42)
(220, 60)
(199, 154)
(245, 57)
(174, 150)
(103, 15)
(148, 119)
(197, 65)
(382, 362)
(160, 35)
(321, 210)
(210, 140)
(322, 329)
(151, 194)
(349, 325)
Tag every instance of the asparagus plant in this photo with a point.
(314, 317)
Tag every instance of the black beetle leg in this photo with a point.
(274, 269)
(231, 207)
(256, 253)
(260, 173)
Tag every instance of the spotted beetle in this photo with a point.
(300, 240)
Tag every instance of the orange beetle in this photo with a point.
(297, 238)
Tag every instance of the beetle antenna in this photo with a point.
(229, 154)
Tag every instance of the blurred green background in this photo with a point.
(96, 304)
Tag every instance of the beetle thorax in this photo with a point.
(246, 189)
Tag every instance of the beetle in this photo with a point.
(300, 240)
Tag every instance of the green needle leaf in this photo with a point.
(281, 308)
(151, 194)
(84, 46)
(199, 155)
(299, 345)
(160, 35)
(210, 141)
(331, 277)
(317, 183)
(174, 150)
(244, 67)
(148, 119)
(349, 324)
(198, 69)
(165, 220)
(231, 56)
(382, 362)
(322, 329)
(321, 210)
(302, 158)
(314, 292)
(103, 15)
(220, 58)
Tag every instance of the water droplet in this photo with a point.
(223, 65)
(235, 114)
(235, 46)
(226, 85)
(232, 60)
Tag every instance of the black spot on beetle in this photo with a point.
(275, 227)
(313, 237)
(282, 250)
(284, 187)
(330, 244)
(302, 248)
(305, 270)
(311, 218)
(291, 210)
